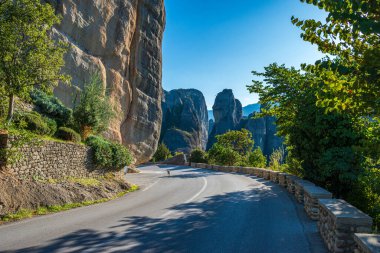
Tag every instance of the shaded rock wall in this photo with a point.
(185, 120)
(228, 113)
(122, 41)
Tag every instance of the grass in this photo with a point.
(26, 213)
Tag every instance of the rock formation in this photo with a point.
(227, 113)
(228, 116)
(185, 120)
(121, 41)
(263, 133)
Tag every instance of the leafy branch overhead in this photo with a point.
(350, 37)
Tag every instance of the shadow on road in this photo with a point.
(260, 219)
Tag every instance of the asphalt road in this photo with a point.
(191, 211)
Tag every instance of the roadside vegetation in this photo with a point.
(328, 112)
(29, 70)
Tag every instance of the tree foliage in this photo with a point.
(28, 55)
(232, 148)
(350, 36)
(257, 158)
(325, 143)
(162, 153)
(198, 156)
(94, 111)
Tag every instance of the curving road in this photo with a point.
(193, 210)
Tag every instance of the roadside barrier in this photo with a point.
(343, 227)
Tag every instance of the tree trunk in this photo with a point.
(11, 108)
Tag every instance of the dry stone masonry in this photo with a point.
(338, 221)
(311, 196)
(50, 159)
(299, 185)
(367, 243)
(340, 224)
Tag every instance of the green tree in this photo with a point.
(198, 156)
(29, 57)
(257, 158)
(94, 111)
(239, 141)
(325, 143)
(349, 76)
(224, 155)
(232, 148)
(162, 153)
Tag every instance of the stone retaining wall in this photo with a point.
(367, 243)
(299, 185)
(312, 194)
(50, 160)
(338, 221)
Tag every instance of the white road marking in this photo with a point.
(168, 213)
(150, 186)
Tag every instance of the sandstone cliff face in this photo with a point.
(121, 40)
(227, 113)
(185, 120)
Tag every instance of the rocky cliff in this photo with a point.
(185, 120)
(227, 113)
(263, 133)
(121, 40)
(228, 116)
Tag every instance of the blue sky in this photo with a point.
(211, 45)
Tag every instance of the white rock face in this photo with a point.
(122, 41)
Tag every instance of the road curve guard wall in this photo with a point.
(340, 224)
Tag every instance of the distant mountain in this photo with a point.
(247, 110)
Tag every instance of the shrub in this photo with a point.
(257, 158)
(276, 159)
(94, 111)
(224, 155)
(35, 123)
(198, 156)
(162, 153)
(366, 195)
(52, 107)
(68, 134)
(121, 156)
(102, 151)
(109, 155)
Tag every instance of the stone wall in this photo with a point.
(338, 221)
(50, 159)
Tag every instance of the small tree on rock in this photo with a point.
(94, 111)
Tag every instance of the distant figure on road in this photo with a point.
(168, 171)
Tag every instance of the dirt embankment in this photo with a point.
(18, 194)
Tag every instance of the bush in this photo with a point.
(109, 155)
(121, 156)
(35, 123)
(102, 151)
(276, 159)
(366, 195)
(257, 158)
(94, 111)
(162, 153)
(198, 156)
(68, 134)
(224, 155)
(52, 107)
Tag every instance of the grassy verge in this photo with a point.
(25, 213)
